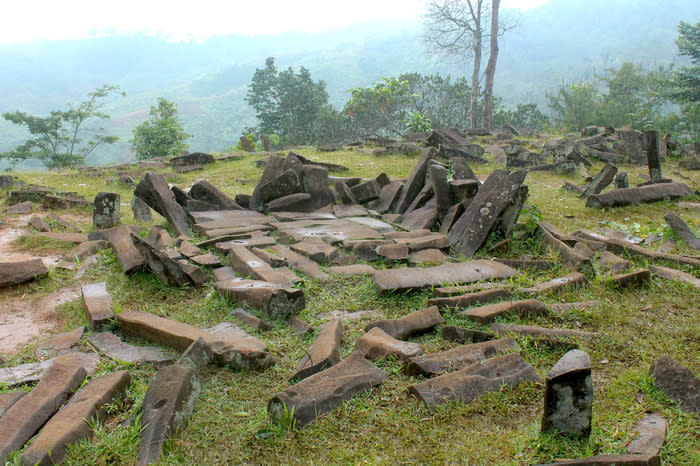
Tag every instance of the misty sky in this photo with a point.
(28, 20)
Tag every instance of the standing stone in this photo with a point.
(438, 177)
(267, 144)
(415, 182)
(246, 144)
(316, 184)
(633, 142)
(415, 323)
(568, 398)
(622, 180)
(601, 181)
(154, 190)
(106, 210)
(651, 144)
(204, 191)
(141, 211)
(98, 305)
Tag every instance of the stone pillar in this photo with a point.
(266, 142)
(651, 145)
(622, 180)
(105, 210)
(568, 397)
(141, 210)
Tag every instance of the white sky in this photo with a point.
(26, 20)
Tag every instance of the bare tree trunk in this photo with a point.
(475, 78)
(491, 67)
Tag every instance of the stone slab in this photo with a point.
(227, 219)
(471, 299)
(673, 274)
(154, 190)
(351, 270)
(8, 399)
(16, 273)
(99, 310)
(229, 331)
(114, 348)
(573, 280)
(300, 263)
(523, 308)
(324, 351)
(651, 432)
(273, 300)
(415, 323)
(119, 238)
(250, 320)
(464, 335)
(640, 195)
(66, 342)
(247, 264)
(377, 344)
(677, 382)
(316, 249)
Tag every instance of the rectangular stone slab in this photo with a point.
(324, 351)
(333, 231)
(573, 280)
(155, 191)
(325, 390)
(247, 264)
(180, 336)
(471, 299)
(120, 239)
(113, 347)
(640, 195)
(98, 305)
(607, 460)
(8, 399)
(524, 308)
(415, 323)
(14, 273)
(25, 417)
(405, 278)
(71, 423)
(220, 219)
(673, 274)
(469, 383)
(301, 263)
(277, 302)
(619, 246)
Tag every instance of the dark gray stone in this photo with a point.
(367, 191)
(282, 185)
(601, 181)
(204, 191)
(634, 145)
(154, 190)
(651, 145)
(15, 273)
(523, 308)
(415, 182)
(141, 211)
(316, 184)
(464, 335)
(275, 301)
(438, 177)
(470, 299)
(377, 344)
(344, 193)
(677, 224)
(299, 202)
(194, 158)
(415, 323)
(169, 271)
(120, 239)
(111, 346)
(677, 382)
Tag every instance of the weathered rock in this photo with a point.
(25, 417)
(274, 301)
(331, 231)
(75, 238)
(601, 181)
(636, 278)
(299, 325)
(39, 224)
(621, 247)
(169, 271)
(298, 202)
(250, 320)
(166, 407)
(415, 278)
(677, 224)
(113, 347)
(349, 210)
(8, 399)
(568, 397)
(652, 433)
(366, 192)
(388, 196)
(464, 335)
(120, 239)
(300, 262)
(97, 302)
(578, 306)
(197, 356)
(72, 422)
(573, 280)
(471, 299)
(469, 152)
(153, 189)
(432, 364)
(608, 460)
(85, 250)
(634, 145)
(203, 190)
(194, 158)
(612, 263)
(566, 253)
(316, 250)
(422, 218)
(179, 336)
(415, 182)
(651, 146)
(622, 180)
(344, 194)
(673, 274)
(21, 208)
(316, 184)
(470, 231)
(469, 383)
(677, 382)
(15, 273)
(286, 183)
(223, 245)
(352, 270)
(63, 343)
(324, 351)
(428, 256)
(415, 323)
(377, 344)
(445, 137)
(106, 210)
(640, 195)
(247, 264)
(393, 252)
(325, 390)
(269, 258)
(229, 331)
(553, 336)
(525, 308)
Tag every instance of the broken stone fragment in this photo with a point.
(607, 460)
(39, 225)
(465, 335)
(679, 226)
(636, 278)
(247, 264)
(316, 250)
(300, 262)
(352, 270)
(324, 351)
(573, 280)
(612, 263)
(99, 310)
(415, 323)
(197, 356)
(677, 382)
(250, 320)
(652, 433)
(85, 250)
(204, 191)
(524, 308)
(377, 344)
(153, 189)
(63, 343)
(299, 326)
(553, 335)
(393, 252)
(25, 417)
(325, 390)
(15, 273)
(113, 347)
(469, 383)
(471, 299)
(120, 239)
(169, 271)
(72, 422)
(275, 301)
(640, 195)
(673, 274)
(231, 332)
(568, 398)
(105, 210)
(432, 364)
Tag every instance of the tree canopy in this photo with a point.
(162, 135)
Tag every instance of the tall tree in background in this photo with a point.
(58, 139)
(458, 29)
(687, 79)
(160, 136)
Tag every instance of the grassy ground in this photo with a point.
(386, 425)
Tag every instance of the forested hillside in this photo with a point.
(563, 40)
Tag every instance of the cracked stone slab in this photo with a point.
(651, 435)
(377, 344)
(324, 351)
(99, 310)
(273, 300)
(415, 323)
(523, 308)
(113, 347)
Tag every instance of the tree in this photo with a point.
(379, 110)
(58, 139)
(160, 136)
(287, 103)
(458, 29)
(439, 99)
(687, 78)
(574, 105)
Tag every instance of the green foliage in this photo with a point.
(379, 110)
(160, 136)
(57, 139)
(687, 78)
(443, 101)
(251, 140)
(574, 104)
(417, 122)
(524, 116)
(287, 103)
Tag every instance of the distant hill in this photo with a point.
(562, 40)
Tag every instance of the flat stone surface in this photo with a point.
(536, 332)
(568, 398)
(377, 344)
(607, 460)
(227, 219)
(273, 260)
(154, 190)
(113, 347)
(248, 265)
(374, 223)
(66, 342)
(640, 195)
(326, 390)
(432, 364)
(573, 280)
(260, 241)
(316, 249)
(469, 383)
(415, 323)
(166, 407)
(275, 301)
(206, 260)
(250, 320)
(39, 224)
(636, 278)
(464, 335)
(180, 336)
(612, 263)
(99, 310)
(677, 382)
(394, 252)
(169, 271)
(428, 256)
(71, 423)
(120, 239)
(324, 351)
(621, 247)
(415, 182)
(331, 231)
(405, 278)
(229, 331)
(352, 270)
(24, 418)
(85, 250)
(388, 196)
(203, 190)
(651, 435)
(15, 273)
(21, 208)
(349, 210)
(523, 308)
(673, 274)
(471, 299)
(8, 399)
(300, 263)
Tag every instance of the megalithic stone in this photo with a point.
(601, 181)
(651, 145)
(568, 397)
(202, 190)
(321, 392)
(679, 226)
(155, 191)
(377, 344)
(324, 351)
(99, 309)
(273, 167)
(415, 182)
(438, 177)
(72, 422)
(106, 210)
(412, 324)
(640, 195)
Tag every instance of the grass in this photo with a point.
(385, 425)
